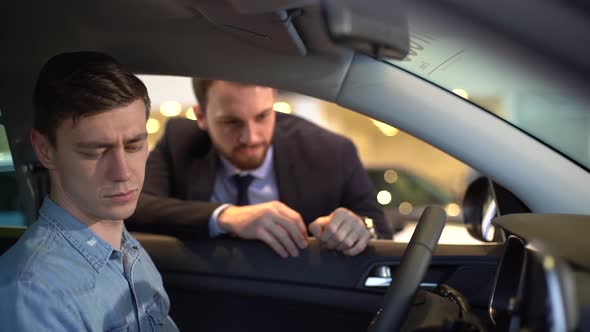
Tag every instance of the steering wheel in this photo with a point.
(411, 271)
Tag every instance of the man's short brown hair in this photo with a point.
(71, 85)
(201, 88)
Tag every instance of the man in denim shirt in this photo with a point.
(77, 268)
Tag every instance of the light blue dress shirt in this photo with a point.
(262, 189)
(60, 276)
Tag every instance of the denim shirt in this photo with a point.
(60, 276)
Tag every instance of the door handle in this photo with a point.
(380, 277)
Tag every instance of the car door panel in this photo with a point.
(226, 283)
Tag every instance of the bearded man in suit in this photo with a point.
(244, 170)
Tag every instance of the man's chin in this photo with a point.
(247, 164)
(118, 213)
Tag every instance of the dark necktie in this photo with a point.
(242, 184)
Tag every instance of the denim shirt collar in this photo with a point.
(94, 249)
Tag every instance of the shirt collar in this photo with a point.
(261, 172)
(94, 249)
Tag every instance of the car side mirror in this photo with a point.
(479, 208)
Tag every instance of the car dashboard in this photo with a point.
(542, 281)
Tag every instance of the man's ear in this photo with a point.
(201, 117)
(43, 149)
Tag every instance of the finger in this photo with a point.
(347, 234)
(292, 215)
(327, 229)
(360, 246)
(316, 228)
(282, 236)
(267, 238)
(292, 222)
(331, 229)
(291, 230)
(357, 230)
(355, 234)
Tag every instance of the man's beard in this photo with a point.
(247, 163)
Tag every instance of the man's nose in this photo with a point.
(119, 167)
(248, 133)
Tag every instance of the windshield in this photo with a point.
(511, 82)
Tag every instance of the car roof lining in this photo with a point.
(173, 43)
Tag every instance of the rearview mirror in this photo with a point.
(379, 30)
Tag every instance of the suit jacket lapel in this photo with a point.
(201, 176)
(286, 175)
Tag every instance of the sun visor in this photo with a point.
(379, 30)
(272, 30)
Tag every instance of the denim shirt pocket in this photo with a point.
(157, 312)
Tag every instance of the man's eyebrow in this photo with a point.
(106, 145)
(137, 138)
(227, 117)
(231, 116)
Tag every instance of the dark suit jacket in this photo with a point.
(317, 171)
